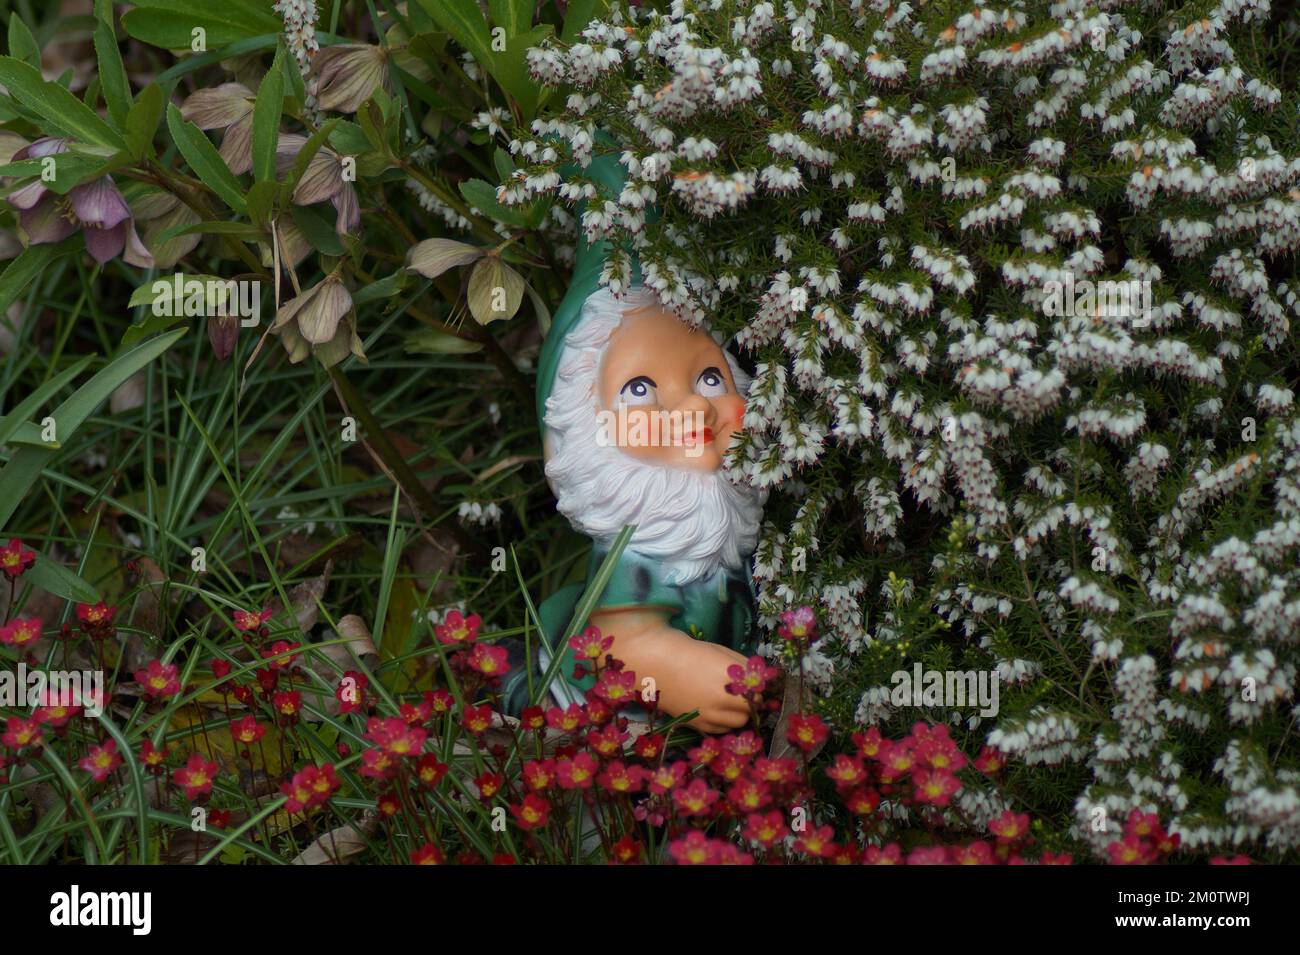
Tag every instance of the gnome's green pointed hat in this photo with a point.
(608, 172)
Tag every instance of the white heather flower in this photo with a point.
(300, 19)
(473, 512)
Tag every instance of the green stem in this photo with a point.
(402, 471)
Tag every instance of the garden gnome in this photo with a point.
(637, 410)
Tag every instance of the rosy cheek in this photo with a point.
(732, 411)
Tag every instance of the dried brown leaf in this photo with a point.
(339, 845)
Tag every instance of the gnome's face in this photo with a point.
(668, 392)
(642, 411)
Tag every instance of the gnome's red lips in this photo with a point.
(691, 438)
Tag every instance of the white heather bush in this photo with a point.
(871, 197)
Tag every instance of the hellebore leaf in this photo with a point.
(266, 121)
(176, 24)
(59, 111)
(205, 160)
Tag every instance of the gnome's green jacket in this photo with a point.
(719, 609)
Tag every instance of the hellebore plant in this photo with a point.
(96, 209)
(319, 321)
(228, 107)
(346, 75)
(324, 179)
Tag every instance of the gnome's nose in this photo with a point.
(698, 404)
(698, 418)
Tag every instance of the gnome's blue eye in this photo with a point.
(711, 384)
(639, 391)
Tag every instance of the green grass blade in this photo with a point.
(25, 466)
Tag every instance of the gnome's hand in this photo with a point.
(688, 674)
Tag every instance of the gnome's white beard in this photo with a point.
(694, 521)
